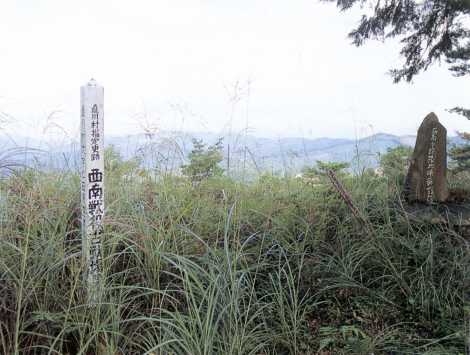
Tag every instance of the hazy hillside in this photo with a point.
(169, 150)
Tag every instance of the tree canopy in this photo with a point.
(204, 161)
(429, 30)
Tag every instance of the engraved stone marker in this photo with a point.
(426, 180)
(92, 182)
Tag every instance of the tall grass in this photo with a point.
(270, 267)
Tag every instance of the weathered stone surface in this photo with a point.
(427, 175)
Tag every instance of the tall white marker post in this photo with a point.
(92, 183)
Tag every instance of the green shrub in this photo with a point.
(203, 161)
(394, 163)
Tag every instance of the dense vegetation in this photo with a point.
(274, 266)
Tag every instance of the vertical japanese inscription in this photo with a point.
(430, 166)
(426, 181)
(92, 183)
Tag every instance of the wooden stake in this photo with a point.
(92, 184)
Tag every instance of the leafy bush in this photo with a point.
(204, 161)
(322, 167)
(460, 154)
(394, 163)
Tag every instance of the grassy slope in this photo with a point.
(272, 267)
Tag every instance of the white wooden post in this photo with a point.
(92, 183)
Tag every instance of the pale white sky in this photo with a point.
(178, 64)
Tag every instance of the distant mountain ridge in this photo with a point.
(171, 148)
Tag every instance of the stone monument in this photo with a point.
(426, 181)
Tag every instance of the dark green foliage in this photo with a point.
(204, 161)
(429, 31)
(394, 163)
(460, 154)
(322, 167)
(461, 111)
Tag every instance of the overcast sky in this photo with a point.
(276, 67)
